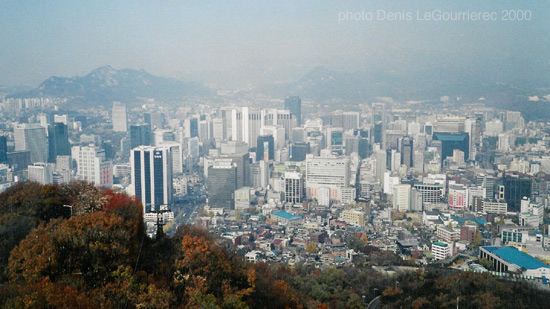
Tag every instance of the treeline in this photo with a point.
(95, 254)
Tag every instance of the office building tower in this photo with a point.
(402, 197)
(298, 151)
(191, 127)
(222, 182)
(154, 120)
(58, 141)
(120, 118)
(91, 165)
(458, 197)
(242, 162)
(331, 172)
(516, 187)
(430, 193)
(350, 120)
(151, 173)
(259, 174)
(177, 156)
(3, 149)
(219, 129)
(451, 141)
(32, 138)
(265, 149)
(41, 173)
(294, 187)
(335, 140)
(299, 135)
(406, 149)
(19, 160)
(294, 105)
(205, 130)
(140, 135)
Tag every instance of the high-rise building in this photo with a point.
(58, 137)
(32, 137)
(91, 165)
(120, 119)
(402, 197)
(327, 172)
(140, 135)
(219, 129)
(350, 120)
(335, 140)
(265, 149)
(294, 105)
(3, 149)
(294, 187)
(407, 151)
(41, 172)
(222, 182)
(151, 172)
(298, 151)
(451, 141)
(191, 127)
(154, 120)
(516, 187)
(19, 160)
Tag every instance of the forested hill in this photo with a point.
(96, 255)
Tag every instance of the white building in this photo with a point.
(441, 250)
(41, 173)
(120, 118)
(402, 197)
(327, 172)
(91, 165)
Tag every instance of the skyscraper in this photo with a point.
(41, 173)
(140, 135)
(120, 119)
(3, 149)
(451, 141)
(407, 151)
(91, 165)
(58, 137)
(32, 137)
(294, 105)
(152, 176)
(265, 149)
(294, 187)
(222, 182)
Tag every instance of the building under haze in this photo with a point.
(32, 138)
(294, 105)
(222, 182)
(120, 119)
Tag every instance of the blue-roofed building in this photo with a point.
(285, 217)
(510, 259)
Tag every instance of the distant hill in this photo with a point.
(106, 84)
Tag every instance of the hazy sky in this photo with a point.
(267, 41)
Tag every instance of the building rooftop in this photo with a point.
(287, 216)
(514, 256)
(438, 243)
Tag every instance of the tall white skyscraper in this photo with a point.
(120, 119)
(32, 138)
(91, 165)
(152, 176)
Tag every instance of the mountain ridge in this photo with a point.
(106, 84)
